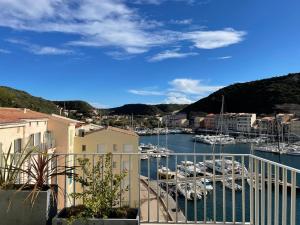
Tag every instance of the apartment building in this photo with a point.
(95, 139)
(20, 127)
(295, 127)
(176, 120)
(245, 121)
(210, 121)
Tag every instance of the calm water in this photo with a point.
(183, 143)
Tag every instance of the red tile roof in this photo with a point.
(14, 115)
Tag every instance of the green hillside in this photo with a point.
(10, 97)
(277, 94)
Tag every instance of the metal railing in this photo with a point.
(198, 187)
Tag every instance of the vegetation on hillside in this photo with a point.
(277, 94)
(78, 105)
(10, 97)
(143, 109)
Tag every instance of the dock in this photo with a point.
(160, 206)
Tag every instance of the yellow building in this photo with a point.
(62, 135)
(117, 141)
(20, 127)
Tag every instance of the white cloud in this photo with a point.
(107, 23)
(169, 54)
(45, 50)
(99, 105)
(177, 98)
(215, 39)
(182, 22)
(180, 91)
(40, 50)
(225, 57)
(145, 92)
(191, 86)
(4, 51)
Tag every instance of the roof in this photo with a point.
(109, 128)
(64, 119)
(18, 115)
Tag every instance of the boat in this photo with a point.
(229, 184)
(144, 157)
(189, 191)
(205, 184)
(220, 139)
(229, 166)
(166, 173)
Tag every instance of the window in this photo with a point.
(31, 140)
(127, 148)
(17, 145)
(100, 148)
(83, 148)
(114, 165)
(115, 147)
(37, 139)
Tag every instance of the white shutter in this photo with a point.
(100, 148)
(127, 148)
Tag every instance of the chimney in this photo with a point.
(25, 110)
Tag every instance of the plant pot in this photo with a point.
(16, 208)
(58, 220)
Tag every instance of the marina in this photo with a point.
(216, 181)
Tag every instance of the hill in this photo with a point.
(143, 109)
(78, 105)
(10, 97)
(277, 94)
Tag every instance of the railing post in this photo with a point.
(293, 198)
(251, 190)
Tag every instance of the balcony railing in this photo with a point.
(199, 188)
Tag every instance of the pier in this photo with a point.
(160, 204)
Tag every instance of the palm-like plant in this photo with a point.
(44, 168)
(11, 166)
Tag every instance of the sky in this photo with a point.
(115, 52)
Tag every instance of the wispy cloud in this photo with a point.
(181, 22)
(224, 57)
(180, 91)
(107, 23)
(169, 54)
(215, 39)
(99, 105)
(40, 50)
(4, 51)
(191, 86)
(144, 92)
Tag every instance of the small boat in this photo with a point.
(166, 173)
(205, 184)
(229, 184)
(144, 157)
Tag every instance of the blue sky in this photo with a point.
(112, 52)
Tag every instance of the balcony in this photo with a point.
(200, 188)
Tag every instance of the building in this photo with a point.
(245, 121)
(197, 122)
(21, 127)
(176, 120)
(210, 122)
(93, 139)
(295, 127)
(58, 134)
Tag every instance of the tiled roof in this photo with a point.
(15, 115)
(129, 132)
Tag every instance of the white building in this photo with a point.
(245, 121)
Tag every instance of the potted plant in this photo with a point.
(99, 198)
(26, 198)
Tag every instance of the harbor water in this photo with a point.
(183, 143)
